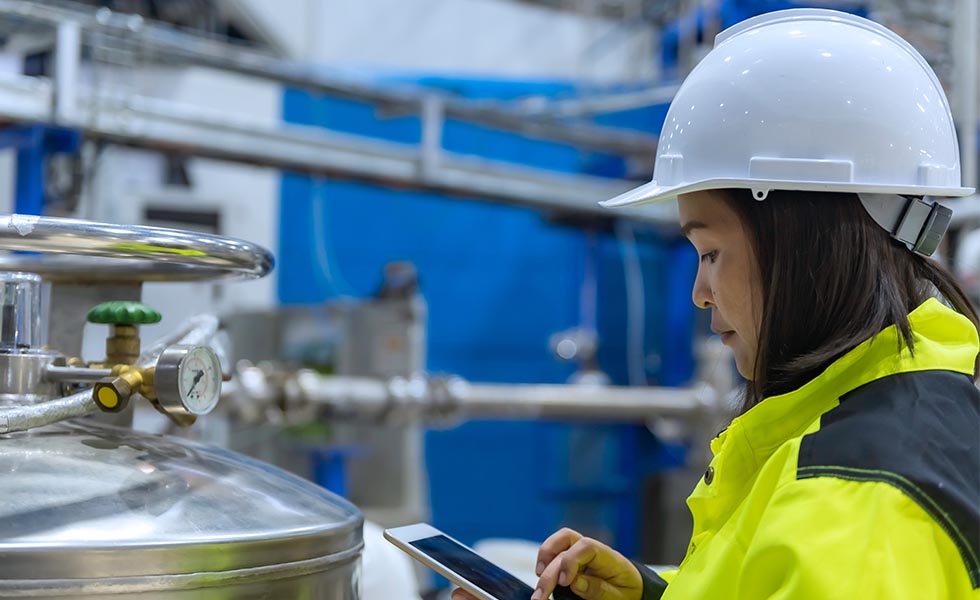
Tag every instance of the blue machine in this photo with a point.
(34, 144)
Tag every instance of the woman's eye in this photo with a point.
(709, 256)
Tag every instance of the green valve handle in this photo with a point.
(123, 312)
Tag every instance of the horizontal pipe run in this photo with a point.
(166, 43)
(576, 401)
(75, 374)
(399, 399)
(164, 126)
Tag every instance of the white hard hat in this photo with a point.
(808, 99)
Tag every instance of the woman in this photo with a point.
(801, 150)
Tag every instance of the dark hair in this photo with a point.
(831, 279)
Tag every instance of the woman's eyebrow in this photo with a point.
(691, 225)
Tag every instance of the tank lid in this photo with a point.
(83, 500)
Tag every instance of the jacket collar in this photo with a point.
(943, 340)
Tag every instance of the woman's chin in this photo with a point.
(744, 364)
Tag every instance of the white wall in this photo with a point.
(246, 197)
(495, 38)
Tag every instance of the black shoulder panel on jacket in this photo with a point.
(919, 432)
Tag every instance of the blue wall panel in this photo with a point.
(497, 279)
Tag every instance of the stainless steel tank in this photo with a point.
(92, 510)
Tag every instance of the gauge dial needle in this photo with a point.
(196, 379)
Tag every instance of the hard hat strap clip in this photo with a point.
(918, 224)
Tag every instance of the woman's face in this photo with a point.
(728, 280)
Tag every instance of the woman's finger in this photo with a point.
(566, 565)
(598, 559)
(576, 559)
(587, 553)
(558, 542)
(589, 587)
(461, 594)
(548, 579)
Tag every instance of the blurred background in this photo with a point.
(450, 306)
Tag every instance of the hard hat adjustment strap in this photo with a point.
(918, 224)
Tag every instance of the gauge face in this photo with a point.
(199, 380)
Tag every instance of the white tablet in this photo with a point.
(459, 564)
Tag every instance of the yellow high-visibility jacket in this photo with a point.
(863, 484)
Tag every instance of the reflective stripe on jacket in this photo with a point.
(862, 484)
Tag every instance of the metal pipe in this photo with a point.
(75, 374)
(203, 328)
(604, 103)
(148, 123)
(966, 46)
(400, 399)
(195, 331)
(431, 145)
(168, 43)
(575, 401)
(344, 396)
(68, 55)
(23, 418)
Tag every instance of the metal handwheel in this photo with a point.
(78, 250)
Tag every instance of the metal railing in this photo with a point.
(166, 126)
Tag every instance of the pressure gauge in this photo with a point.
(187, 381)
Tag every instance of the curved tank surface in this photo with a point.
(93, 511)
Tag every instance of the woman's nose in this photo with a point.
(701, 294)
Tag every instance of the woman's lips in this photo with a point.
(728, 335)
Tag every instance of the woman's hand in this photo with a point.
(592, 569)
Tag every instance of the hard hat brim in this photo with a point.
(652, 192)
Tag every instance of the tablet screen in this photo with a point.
(474, 568)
